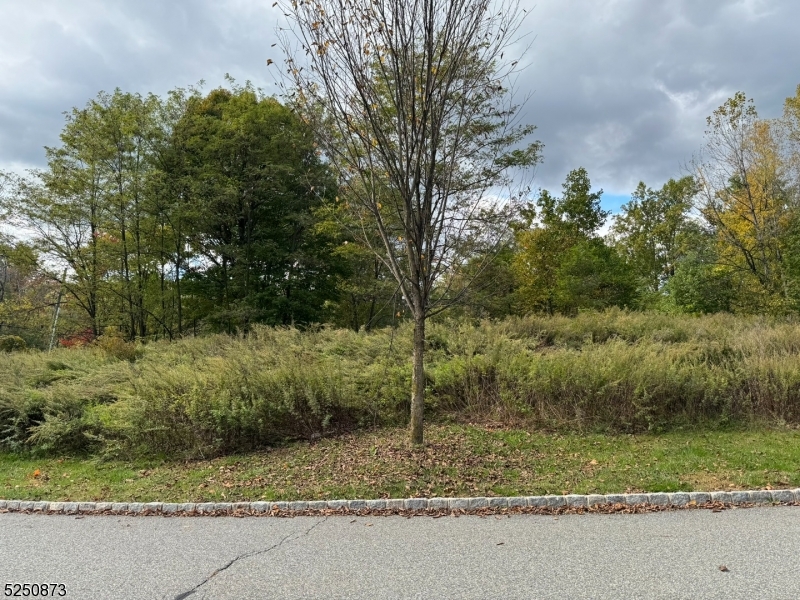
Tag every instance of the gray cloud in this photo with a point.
(621, 87)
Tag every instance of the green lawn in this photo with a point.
(456, 461)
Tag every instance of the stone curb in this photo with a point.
(413, 505)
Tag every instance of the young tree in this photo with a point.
(410, 101)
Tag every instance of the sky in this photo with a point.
(619, 87)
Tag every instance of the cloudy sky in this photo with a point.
(620, 87)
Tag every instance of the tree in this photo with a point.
(254, 178)
(700, 282)
(542, 246)
(25, 293)
(89, 211)
(744, 197)
(649, 230)
(409, 100)
(593, 276)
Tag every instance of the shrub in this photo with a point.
(12, 343)
(610, 371)
(113, 345)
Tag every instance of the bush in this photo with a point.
(12, 343)
(611, 371)
(112, 344)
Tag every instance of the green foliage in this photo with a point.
(610, 371)
(12, 343)
(651, 230)
(577, 213)
(701, 287)
(560, 265)
(256, 179)
(167, 211)
(492, 290)
(113, 344)
(593, 276)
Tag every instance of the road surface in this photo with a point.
(661, 555)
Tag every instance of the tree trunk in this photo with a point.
(418, 380)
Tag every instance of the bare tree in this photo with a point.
(412, 104)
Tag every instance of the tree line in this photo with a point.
(162, 216)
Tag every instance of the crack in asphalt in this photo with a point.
(236, 559)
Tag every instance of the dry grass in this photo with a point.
(612, 372)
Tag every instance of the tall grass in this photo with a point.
(611, 371)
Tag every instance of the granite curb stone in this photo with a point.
(597, 500)
(661, 499)
(783, 495)
(537, 501)
(575, 500)
(761, 497)
(741, 497)
(723, 497)
(416, 504)
(631, 499)
(679, 499)
(481, 502)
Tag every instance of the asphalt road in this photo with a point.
(662, 555)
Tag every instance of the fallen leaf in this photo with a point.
(723, 568)
(37, 473)
(593, 462)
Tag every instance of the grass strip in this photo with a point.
(457, 460)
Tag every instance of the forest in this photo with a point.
(194, 213)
